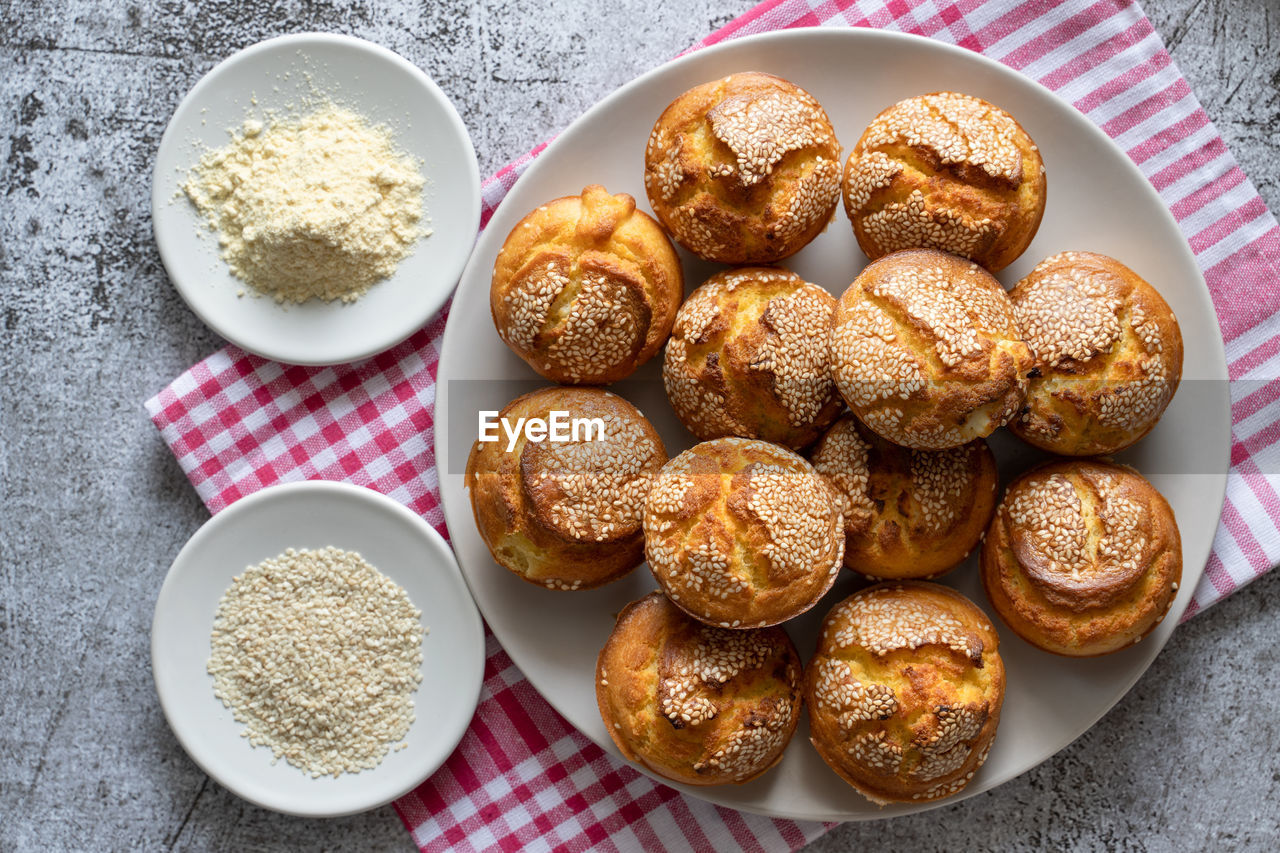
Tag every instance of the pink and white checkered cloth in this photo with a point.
(523, 777)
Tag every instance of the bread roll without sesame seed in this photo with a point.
(748, 356)
(695, 703)
(926, 351)
(1108, 354)
(566, 515)
(742, 533)
(1083, 557)
(905, 691)
(907, 513)
(585, 288)
(743, 170)
(945, 171)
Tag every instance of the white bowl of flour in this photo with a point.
(315, 198)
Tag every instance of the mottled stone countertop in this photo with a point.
(94, 508)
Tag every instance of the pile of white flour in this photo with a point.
(320, 207)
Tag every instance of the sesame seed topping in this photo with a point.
(883, 624)
(1098, 350)
(709, 501)
(596, 488)
(912, 335)
(757, 140)
(918, 223)
(1080, 538)
(899, 719)
(957, 128)
(743, 326)
(761, 130)
(841, 456)
(932, 171)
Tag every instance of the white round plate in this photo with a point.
(316, 514)
(1097, 201)
(284, 75)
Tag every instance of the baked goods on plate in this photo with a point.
(945, 171)
(905, 691)
(1082, 558)
(744, 169)
(555, 639)
(926, 351)
(907, 513)
(696, 703)
(565, 514)
(1108, 355)
(748, 356)
(585, 288)
(741, 533)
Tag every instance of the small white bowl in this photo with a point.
(282, 75)
(313, 515)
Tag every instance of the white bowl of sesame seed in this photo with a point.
(284, 627)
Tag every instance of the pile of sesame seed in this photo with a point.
(318, 654)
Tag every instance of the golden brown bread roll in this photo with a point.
(905, 691)
(566, 514)
(907, 513)
(1108, 355)
(743, 170)
(742, 533)
(585, 288)
(748, 356)
(926, 351)
(1082, 558)
(695, 703)
(945, 171)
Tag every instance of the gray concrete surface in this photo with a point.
(94, 508)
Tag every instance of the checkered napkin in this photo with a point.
(523, 777)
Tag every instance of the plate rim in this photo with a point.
(467, 206)
(210, 529)
(1219, 473)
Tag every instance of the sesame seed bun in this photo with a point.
(907, 513)
(945, 171)
(742, 533)
(1108, 355)
(926, 351)
(1083, 557)
(905, 690)
(748, 356)
(743, 170)
(585, 288)
(695, 703)
(566, 514)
